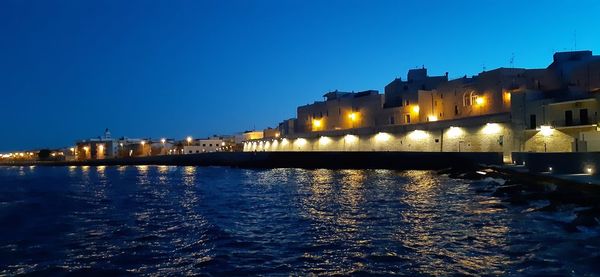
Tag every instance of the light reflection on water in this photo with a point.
(165, 220)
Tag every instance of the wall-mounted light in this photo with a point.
(350, 138)
(491, 128)
(381, 137)
(454, 132)
(546, 130)
(418, 135)
(415, 109)
(480, 100)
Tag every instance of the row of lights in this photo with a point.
(353, 116)
(453, 132)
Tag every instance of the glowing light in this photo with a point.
(418, 135)
(301, 141)
(101, 147)
(222, 143)
(72, 149)
(589, 170)
(188, 139)
(432, 118)
(86, 148)
(415, 109)
(454, 132)
(479, 101)
(324, 140)
(284, 141)
(381, 137)
(317, 123)
(353, 116)
(162, 140)
(277, 135)
(142, 142)
(546, 130)
(351, 138)
(491, 128)
(549, 168)
(507, 96)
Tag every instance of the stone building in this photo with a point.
(340, 110)
(552, 109)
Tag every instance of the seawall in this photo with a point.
(330, 160)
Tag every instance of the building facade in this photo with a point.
(553, 109)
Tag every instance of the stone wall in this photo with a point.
(491, 137)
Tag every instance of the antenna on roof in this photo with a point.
(512, 60)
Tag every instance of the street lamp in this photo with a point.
(189, 140)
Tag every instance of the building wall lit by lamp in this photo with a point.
(353, 116)
(350, 138)
(432, 118)
(317, 124)
(415, 109)
(382, 137)
(480, 101)
(546, 130)
(324, 140)
(300, 142)
(454, 132)
(491, 128)
(284, 142)
(418, 135)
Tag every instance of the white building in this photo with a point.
(212, 144)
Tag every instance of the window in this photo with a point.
(190, 151)
(469, 98)
(407, 118)
(532, 121)
(568, 118)
(210, 145)
(392, 121)
(455, 110)
(407, 103)
(204, 145)
(583, 117)
(197, 151)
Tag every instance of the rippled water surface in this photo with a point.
(158, 220)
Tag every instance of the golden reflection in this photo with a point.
(163, 169)
(100, 171)
(431, 226)
(189, 175)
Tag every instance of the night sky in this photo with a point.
(69, 69)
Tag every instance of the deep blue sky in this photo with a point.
(68, 69)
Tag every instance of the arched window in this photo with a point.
(469, 98)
